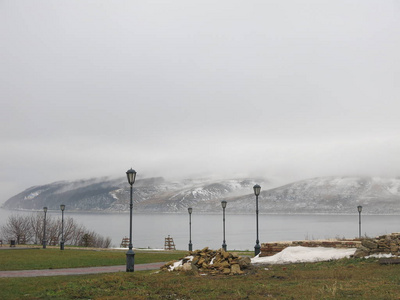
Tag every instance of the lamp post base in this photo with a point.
(130, 261)
(257, 249)
(62, 246)
(190, 247)
(224, 246)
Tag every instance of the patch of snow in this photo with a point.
(32, 195)
(394, 186)
(301, 254)
(381, 255)
(212, 261)
(180, 263)
(114, 195)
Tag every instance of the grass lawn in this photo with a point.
(343, 279)
(53, 258)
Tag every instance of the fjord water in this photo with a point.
(150, 230)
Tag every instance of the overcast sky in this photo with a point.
(175, 88)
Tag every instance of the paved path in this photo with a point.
(78, 271)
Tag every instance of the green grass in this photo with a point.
(32, 259)
(343, 279)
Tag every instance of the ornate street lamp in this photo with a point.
(359, 208)
(130, 255)
(190, 228)
(62, 207)
(223, 203)
(257, 247)
(44, 227)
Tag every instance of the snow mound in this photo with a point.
(301, 254)
(180, 263)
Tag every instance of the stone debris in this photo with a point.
(384, 244)
(212, 262)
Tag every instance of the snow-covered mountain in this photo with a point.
(318, 195)
(338, 195)
(149, 195)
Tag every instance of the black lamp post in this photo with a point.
(62, 207)
(257, 247)
(223, 203)
(359, 208)
(44, 227)
(130, 255)
(190, 228)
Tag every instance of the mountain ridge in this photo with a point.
(149, 194)
(335, 195)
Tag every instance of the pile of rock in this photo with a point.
(211, 262)
(386, 244)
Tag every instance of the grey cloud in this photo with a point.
(286, 89)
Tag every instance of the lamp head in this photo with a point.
(190, 210)
(223, 203)
(359, 208)
(62, 207)
(131, 174)
(45, 209)
(257, 189)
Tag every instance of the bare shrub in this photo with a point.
(29, 229)
(93, 239)
(36, 224)
(17, 228)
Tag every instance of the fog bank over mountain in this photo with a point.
(334, 195)
(192, 89)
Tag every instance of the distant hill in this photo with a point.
(335, 195)
(338, 195)
(149, 195)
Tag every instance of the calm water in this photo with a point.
(150, 230)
